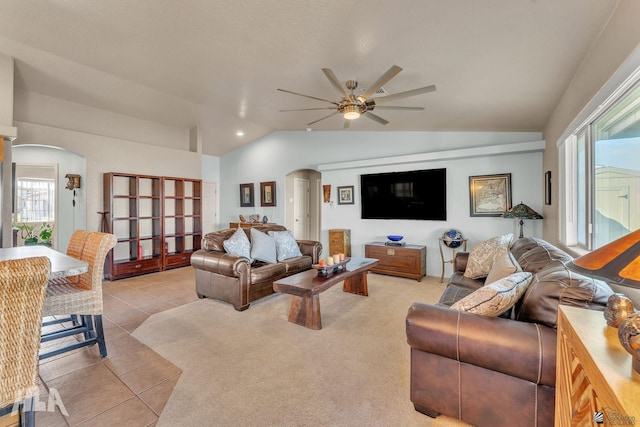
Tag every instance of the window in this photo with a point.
(35, 193)
(601, 161)
(35, 200)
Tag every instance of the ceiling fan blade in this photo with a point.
(347, 123)
(391, 73)
(335, 82)
(389, 107)
(397, 96)
(375, 118)
(325, 117)
(307, 96)
(309, 109)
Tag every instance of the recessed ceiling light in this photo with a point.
(240, 133)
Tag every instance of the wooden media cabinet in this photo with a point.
(408, 261)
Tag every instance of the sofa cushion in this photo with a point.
(238, 244)
(286, 245)
(263, 272)
(297, 264)
(556, 284)
(482, 255)
(453, 293)
(504, 265)
(495, 298)
(263, 247)
(535, 254)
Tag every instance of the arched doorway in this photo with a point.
(302, 207)
(71, 206)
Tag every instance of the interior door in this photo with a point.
(209, 211)
(301, 208)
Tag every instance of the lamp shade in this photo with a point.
(521, 211)
(617, 262)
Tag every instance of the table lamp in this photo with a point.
(617, 262)
(522, 212)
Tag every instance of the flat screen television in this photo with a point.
(418, 194)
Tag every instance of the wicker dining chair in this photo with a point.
(80, 299)
(23, 285)
(77, 242)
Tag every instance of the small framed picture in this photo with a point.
(246, 195)
(547, 188)
(490, 195)
(345, 195)
(268, 193)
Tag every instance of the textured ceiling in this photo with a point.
(499, 65)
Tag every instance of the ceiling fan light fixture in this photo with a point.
(351, 112)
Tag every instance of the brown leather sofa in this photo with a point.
(496, 371)
(232, 279)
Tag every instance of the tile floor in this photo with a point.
(133, 383)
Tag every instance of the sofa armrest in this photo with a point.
(519, 349)
(460, 261)
(310, 248)
(220, 262)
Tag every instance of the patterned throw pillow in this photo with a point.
(263, 247)
(286, 245)
(238, 244)
(497, 297)
(482, 256)
(503, 266)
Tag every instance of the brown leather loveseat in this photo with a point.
(232, 279)
(496, 371)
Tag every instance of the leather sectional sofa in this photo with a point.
(496, 371)
(232, 279)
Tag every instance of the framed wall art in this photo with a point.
(547, 188)
(268, 193)
(345, 195)
(246, 195)
(490, 195)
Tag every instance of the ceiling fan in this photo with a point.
(352, 106)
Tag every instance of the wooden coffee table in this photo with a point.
(305, 289)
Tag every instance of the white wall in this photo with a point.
(6, 90)
(105, 154)
(273, 157)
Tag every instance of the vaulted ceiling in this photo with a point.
(499, 65)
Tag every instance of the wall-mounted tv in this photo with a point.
(418, 194)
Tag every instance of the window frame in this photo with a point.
(568, 159)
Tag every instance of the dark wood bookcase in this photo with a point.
(182, 220)
(157, 221)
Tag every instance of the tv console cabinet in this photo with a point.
(408, 261)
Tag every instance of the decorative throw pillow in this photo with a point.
(482, 256)
(497, 297)
(502, 267)
(286, 245)
(238, 244)
(263, 247)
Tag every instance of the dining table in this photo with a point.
(62, 265)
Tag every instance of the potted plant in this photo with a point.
(33, 235)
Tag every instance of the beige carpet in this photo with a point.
(254, 368)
